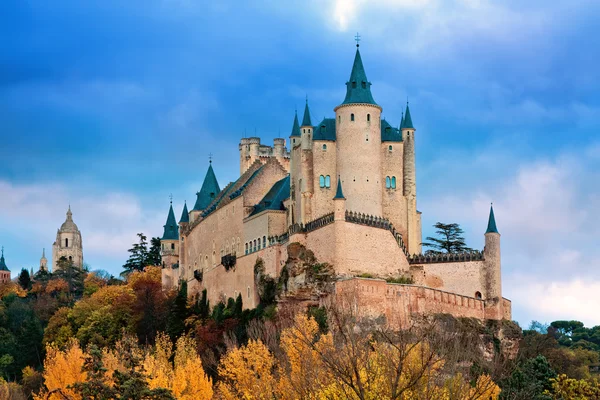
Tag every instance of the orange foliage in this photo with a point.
(62, 369)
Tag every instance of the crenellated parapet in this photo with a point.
(474, 255)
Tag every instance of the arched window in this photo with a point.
(70, 258)
(67, 242)
(351, 117)
(478, 295)
(172, 246)
(390, 148)
(393, 182)
(248, 291)
(327, 181)
(246, 248)
(324, 147)
(387, 182)
(321, 181)
(264, 242)
(368, 117)
(254, 244)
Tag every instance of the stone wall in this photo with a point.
(324, 165)
(464, 278)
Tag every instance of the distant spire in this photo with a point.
(210, 189)
(3, 266)
(339, 194)
(171, 231)
(402, 120)
(296, 126)
(43, 253)
(358, 87)
(185, 215)
(407, 120)
(491, 228)
(306, 118)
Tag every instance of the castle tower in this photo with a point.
(492, 270)
(4, 271)
(358, 141)
(169, 243)
(339, 202)
(295, 177)
(184, 223)
(409, 185)
(68, 243)
(208, 192)
(43, 262)
(306, 167)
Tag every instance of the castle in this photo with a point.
(346, 190)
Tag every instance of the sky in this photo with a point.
(112, 106)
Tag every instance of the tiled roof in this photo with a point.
(325, 130)
(171, 231)
(358, 88)
(210, 188)
(273, 200)
(389, 133)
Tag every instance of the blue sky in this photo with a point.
(111, 106)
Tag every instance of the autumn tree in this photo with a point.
(450, 239)
(63, 369)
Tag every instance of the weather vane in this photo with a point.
(171, 198)
(210, 157)
(357, 38)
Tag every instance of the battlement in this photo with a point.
(251, 150)
(474, 255)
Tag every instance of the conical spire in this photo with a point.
(296, 127)
(185, 216)
(43, 254)
(338, 193)
(358, 88)
(407, 120)
(171, 228)
(402, 120)
(306, 118)
(209, 190)
(3, 266)
(491, 228)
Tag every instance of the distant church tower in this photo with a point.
(44, 261)
(68, 243)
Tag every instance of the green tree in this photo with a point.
(450, 239)
(528, 381)
(179, 313)
(25, 279)
(96, 386)
(138, 255)
(154, 257)
(72, 274)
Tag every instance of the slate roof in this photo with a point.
(3, 266)
(339, 194)
(491, 228)
(325, 130)
(389, 133)
(358, 88)
(171, 231)
(296, 127)
(407, 121)
(273, 200)
(209, 190)
(306, 118)
(185, 215)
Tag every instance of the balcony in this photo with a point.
(228, 261)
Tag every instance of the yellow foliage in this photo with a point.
(247, 373)
(157, 365)
(569, 388)
(150, 273)
(62, 369)
(11, 288)
(57, 285)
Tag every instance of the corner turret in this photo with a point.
(169, 243)
(492, 270)
(339, 202)
(358, 87)
(4, 271)
(306, 129)
(185, 216)
(208, 192)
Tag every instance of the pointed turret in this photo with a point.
(358, 88)
(43, 261)
(3, 266)
(171, 231)
(209, 190)
(306, 119)
(407, 120)
(185, 215)
(491, 228)
(338, 193)
(402, 120)
(296, 127)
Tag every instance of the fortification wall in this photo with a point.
(464, 278)
(398, 303)
(324, 165)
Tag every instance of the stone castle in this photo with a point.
(346, 191)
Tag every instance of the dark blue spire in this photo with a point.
(296, 127)
(339, 194)
(209, 190)
(491, 228)
(306, 118)
(358, 88)
(407, 120)
(185, 215)
(3, 266)
(171, 228)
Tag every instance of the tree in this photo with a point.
(138, 256)
(62, 370)
(528, 381)
(449, 240)
(179, 313)
(72, 274)
(154, 257)
(25, 279)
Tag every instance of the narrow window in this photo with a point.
(321, 181)
(351, 117)
(246, 248)
(264, 242)
(254, 244)
(478, 295)
(324, 147)
(393, 182)
(364, 84)
(387, 182)
(294, 141)
(248, 291)
(368, 117)
(303, 130)
(390, 148)
(339, 118)
(327, 181)
(70, 258)
(172, 246)
(354, 85)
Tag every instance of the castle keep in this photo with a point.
(345, 190)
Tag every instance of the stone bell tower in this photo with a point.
(68, 243)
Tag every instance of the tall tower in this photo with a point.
(169, 243)
(44, 261)
(410, 183)
(306, 167)
(358, 142)
(295, 173)
(4, 271)
(68, 243)
(492, 270)
(184, 222)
